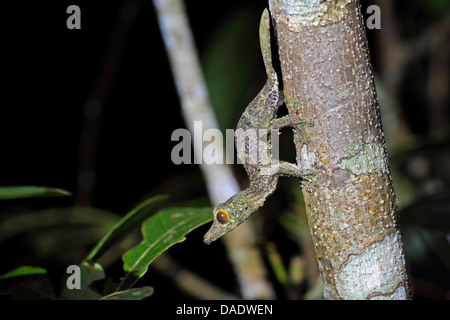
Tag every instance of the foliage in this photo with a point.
(161, 230)
(29, 192)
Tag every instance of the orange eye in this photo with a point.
(222, 216)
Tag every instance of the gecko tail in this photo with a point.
(266, 49)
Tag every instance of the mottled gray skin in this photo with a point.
(260, 114)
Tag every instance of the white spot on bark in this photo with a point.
(376, 271)
(307, 159)
(308, 12)
(399, 294)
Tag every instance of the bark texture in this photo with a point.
(351, 204)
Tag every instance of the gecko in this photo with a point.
(261, 113)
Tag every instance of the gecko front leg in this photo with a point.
(290, 121)
(288, 169)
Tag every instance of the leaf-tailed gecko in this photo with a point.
(261, 113)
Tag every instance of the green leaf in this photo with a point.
(23, 271)
(27, 283)
(109, 286)
(135, 216)
(89, 273)
(161, 231)
(131, 294)
(19, 192)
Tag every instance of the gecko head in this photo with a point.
(227, 216)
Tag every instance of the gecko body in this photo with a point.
(259, 116)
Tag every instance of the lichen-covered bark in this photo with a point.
(350, 202)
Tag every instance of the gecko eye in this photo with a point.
(222, 216)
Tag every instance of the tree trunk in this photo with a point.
(351, 204)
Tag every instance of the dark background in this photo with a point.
(49, 73)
